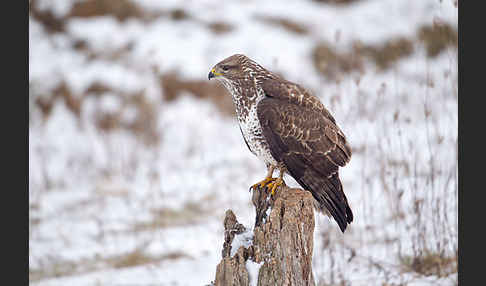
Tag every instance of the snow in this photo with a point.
(95, 194)
(253, 271)
(244, 239)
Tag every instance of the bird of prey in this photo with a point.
(289, 129)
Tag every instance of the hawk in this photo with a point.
(289, 129)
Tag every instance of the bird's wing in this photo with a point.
(294, 93)
(305, 137)
(297, 102)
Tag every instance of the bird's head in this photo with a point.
(234, 68)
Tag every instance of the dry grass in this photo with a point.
(333, 64)
(220, 27)
(144, 125)
(136, 257)
(56, 269)
(430, 264)
(437, 37)
(191, 212)
(418, 191)
(60, 92)
(49, 21)
(385, 55)
(286, 24)
(173, 86)
(122, 10)
(139, 257)
(112, 55)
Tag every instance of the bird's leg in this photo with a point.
(264, 182)
(277, 182)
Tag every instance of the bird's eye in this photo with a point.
(225, 67)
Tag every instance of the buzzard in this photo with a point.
(289, 129)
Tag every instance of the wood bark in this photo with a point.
(279, 251)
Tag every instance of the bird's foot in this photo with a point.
(275, 184)
(264, 183)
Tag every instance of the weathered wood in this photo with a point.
(281, 245)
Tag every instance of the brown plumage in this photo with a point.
(290, 129)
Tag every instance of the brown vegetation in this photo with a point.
(385, 55)
(219, 27)
(332, 63)
(430, 263)
(144, 125)
(49, 21)
(173, 86)
(437, 37)
(191, 212)
(122, 10)
(138, 256)
(62, 92)
(287, 24)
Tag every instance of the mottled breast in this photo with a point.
(252, 131)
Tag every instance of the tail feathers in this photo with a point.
(329, 194)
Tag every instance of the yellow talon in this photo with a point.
(263, 183)
(275, 184)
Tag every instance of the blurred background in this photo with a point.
(134, 156)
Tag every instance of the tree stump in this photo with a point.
(278, 250)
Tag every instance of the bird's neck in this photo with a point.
(246, 93)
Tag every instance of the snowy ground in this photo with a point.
(108, 208)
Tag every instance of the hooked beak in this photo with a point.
(213, 73)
